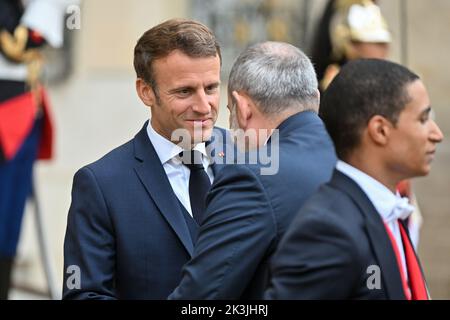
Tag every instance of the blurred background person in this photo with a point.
(349, 30)
(25, 121)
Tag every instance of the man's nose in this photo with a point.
(201, 104)
(436, 133)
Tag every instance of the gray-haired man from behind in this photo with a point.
(272, 90)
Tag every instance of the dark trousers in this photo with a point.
(15, 187)
(5, 276)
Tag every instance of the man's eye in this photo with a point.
(424, 119)
(211, 89)
(183, 92)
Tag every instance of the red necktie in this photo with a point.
(417, 289)
(416, 278)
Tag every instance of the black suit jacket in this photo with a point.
(334, 247)
(126, 232)
(248, 213)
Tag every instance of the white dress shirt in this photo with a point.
(177, 173)
(382, 199)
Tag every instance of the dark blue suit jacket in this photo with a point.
(126, 232)
(331, 247)
(247, 213)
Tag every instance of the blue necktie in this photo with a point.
(199, 183)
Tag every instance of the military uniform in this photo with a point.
(25, 121)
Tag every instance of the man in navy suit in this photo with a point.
(130, 225)
(273, 97)
(349, 240)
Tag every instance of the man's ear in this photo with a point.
(243, 108)
(145, 92)
(379, 129)
(318, 101)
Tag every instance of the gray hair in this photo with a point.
(277, 76)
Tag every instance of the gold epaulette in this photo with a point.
(13, 47)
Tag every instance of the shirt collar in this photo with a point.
(167, 150)
(381, 197)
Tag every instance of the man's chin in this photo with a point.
(187, 137)
(422, 172)
(426, 170)
(202, 135)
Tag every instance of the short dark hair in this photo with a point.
(362, 89)
(190, 37)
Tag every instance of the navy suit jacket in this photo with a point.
(126, 232)
(247, 213)
(332, 247)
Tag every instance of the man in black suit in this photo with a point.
(348, 241)
(132, 222)
(272, 93)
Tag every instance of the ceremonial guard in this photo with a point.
(26, 132)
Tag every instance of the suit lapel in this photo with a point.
(377, 234)
(153, 177)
